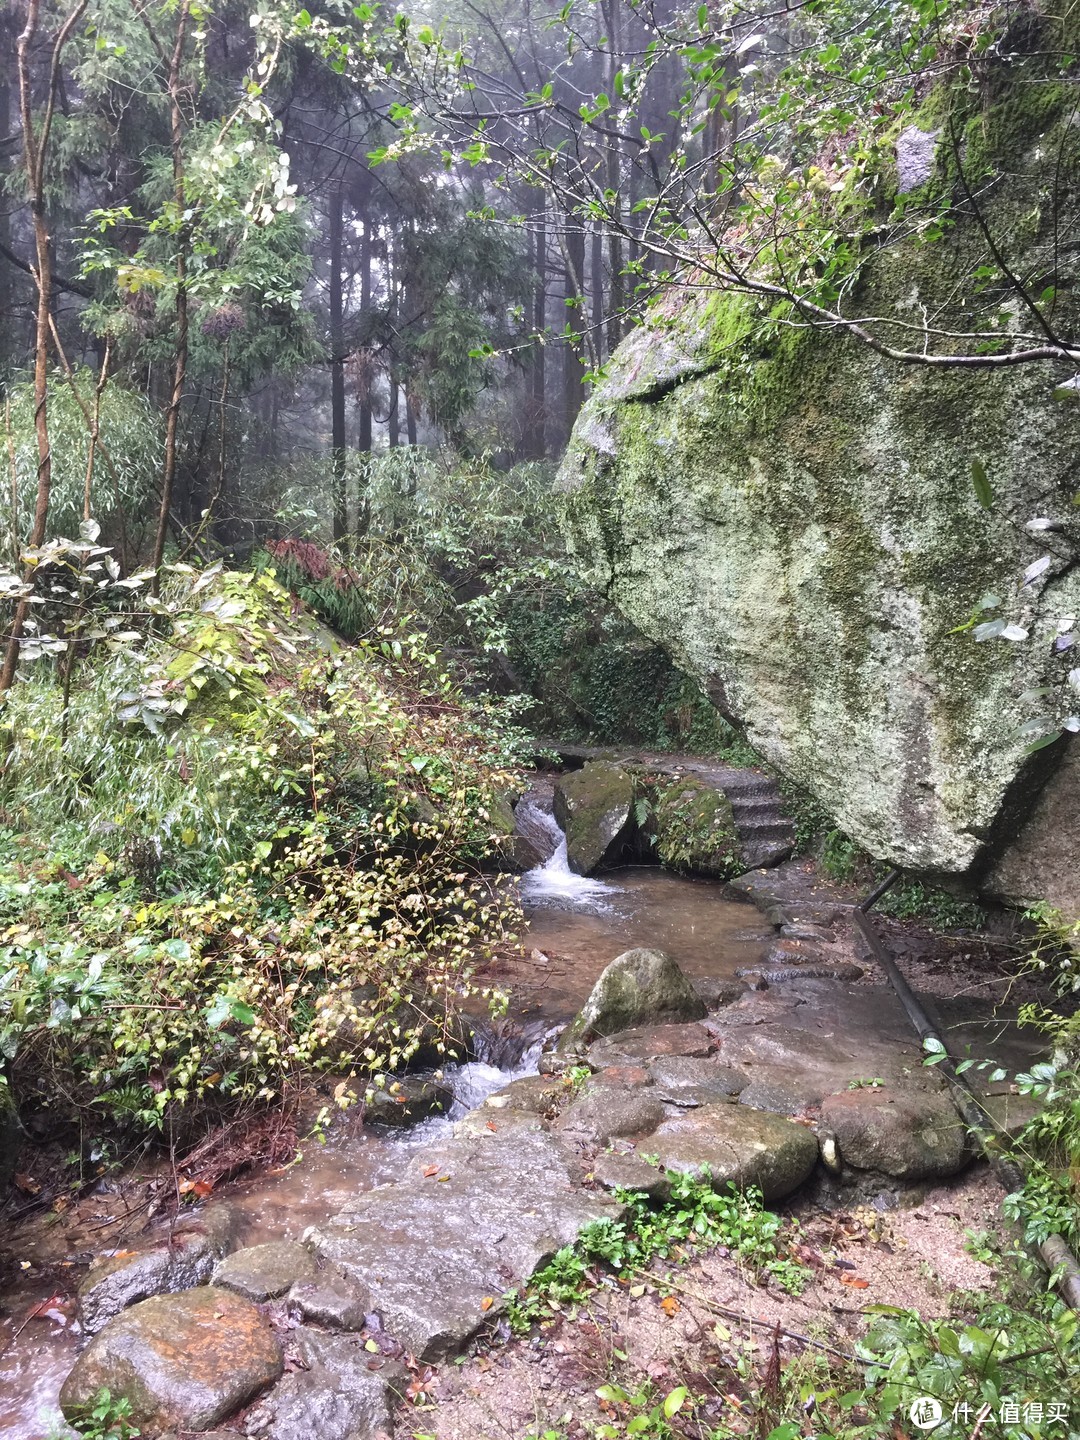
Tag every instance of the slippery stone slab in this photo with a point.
(691, 1081)
(470, 1219)
(739, 1146)
(343, 1393)
(263, 1272)
(183, 1361)
(907, 1135)
(608, 1111)
(617, 1171)
(646, 1042)
(181, 1258)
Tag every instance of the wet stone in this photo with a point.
(908, 1135)
(341, 1393)
(738, 1146)
(486, 1121)
(647, 1042)
(331, 1300)
(471, 1218)
(782, 1092)
(717, 993)
(183, 1361)
(264, 1272)
(629, 1172)
(181, 1259)
(537, 1094)
(607, 1111)
(690, 1081)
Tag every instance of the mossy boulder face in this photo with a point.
(595, 807)
(794, 517)
(639, 987)
(695, 829)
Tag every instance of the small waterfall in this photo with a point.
(553, 882)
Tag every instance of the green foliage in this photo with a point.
(129, 454)
(257, 854)
(694, 1214)
(106, 1418)
(477, 552)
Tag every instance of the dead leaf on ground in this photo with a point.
(430, 1170)
(669, 1305)
(854, 1282)
(487, 1302)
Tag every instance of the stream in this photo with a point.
(577, 925)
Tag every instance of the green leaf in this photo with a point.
(675, 1400)
(983, 492)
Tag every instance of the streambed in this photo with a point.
(576, 927)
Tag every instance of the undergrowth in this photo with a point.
(693, 1216)
(238, 853)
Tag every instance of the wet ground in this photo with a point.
(576, 928)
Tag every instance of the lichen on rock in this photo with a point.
(793, 517)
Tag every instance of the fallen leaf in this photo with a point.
(669, 1305)
(487, 1302)
(491, 1125)
(855, 1282)
(28, 1184)
(430, 1170)
(636, 1291)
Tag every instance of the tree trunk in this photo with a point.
(613, 179)
(538, 378)
(337, 366)
(596, 285)
(364, 441)
(180, 353)
(573, 353)
(35, 149)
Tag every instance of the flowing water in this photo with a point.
(577, 925)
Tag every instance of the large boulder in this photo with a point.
(793, 516)
(908, 1135)
(184, 1362)
(595, 807)
(737, 1146)
(639, 987)
(695, 829)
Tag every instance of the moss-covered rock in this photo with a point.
(595, 807)
(794, 517)
(695, 829)
(639, 987)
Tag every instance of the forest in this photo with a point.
(538, 842)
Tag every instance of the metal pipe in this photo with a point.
(1055, 1253)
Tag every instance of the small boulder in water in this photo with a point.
(595, 807)
(183, 1361)
(407, 1099)
(639, 987)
